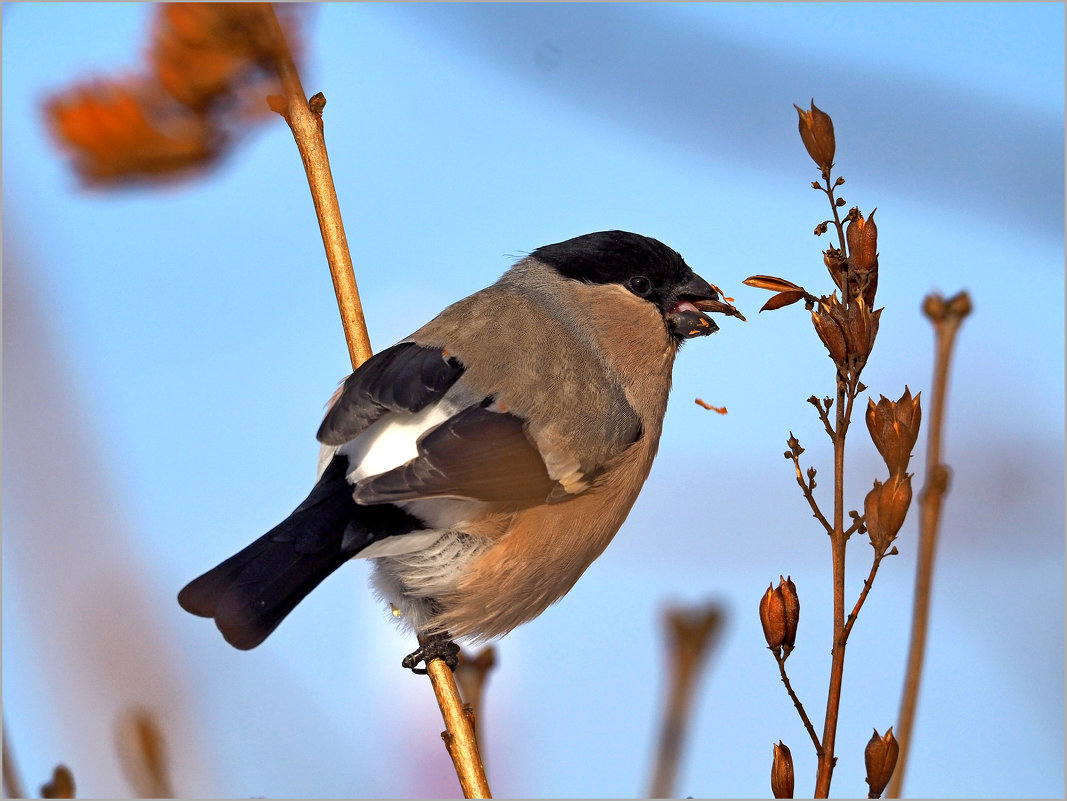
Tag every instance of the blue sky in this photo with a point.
(167, 355)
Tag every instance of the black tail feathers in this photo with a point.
(250, 593)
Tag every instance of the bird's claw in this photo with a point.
(435, 646)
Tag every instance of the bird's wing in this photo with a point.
(406, 378)
(468, 446)
(483, 453)
(478, 453)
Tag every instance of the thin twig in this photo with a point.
(796, 701)
(808, 491)
(12, 785)
(829, 190)
(854, 527)
(826, 763)
(947, 316)
(305, 120)
(867, 583)
(459, 734)
(306, 125)
(823, 415)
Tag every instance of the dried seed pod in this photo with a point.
(860, 325)
(772, 616)
(829, 322)
(837, 266)
(884, 510)
(791, 604)
(782, 771)
(862, 238)
(880, 758)
(894, 427)
(817, 133)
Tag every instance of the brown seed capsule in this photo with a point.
(791, 603)
(782, 771)
(884, 510)
(817, 133)
(772, 616)
(880, 757)
(894, 427)
(837, 266)
(862, 238)
(829, 322)
(860, 327)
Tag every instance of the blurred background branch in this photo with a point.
(692, 633)
(947, 317)
(12, 783)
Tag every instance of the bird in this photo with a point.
(486, 460)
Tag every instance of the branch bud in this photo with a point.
(880, 757)
(782, 771)
(817, 133)
(894, 427)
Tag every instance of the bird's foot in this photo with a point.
(434, 646)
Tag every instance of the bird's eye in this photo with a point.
(639, 285)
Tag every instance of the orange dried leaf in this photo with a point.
(113, 132)
(709, 407)
(770, 282)
(783, 299)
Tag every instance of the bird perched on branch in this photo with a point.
(486, 460)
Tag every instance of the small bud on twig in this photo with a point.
(880, 757)
(782, 771)
(817, 133)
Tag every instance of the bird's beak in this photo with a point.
(687, 319)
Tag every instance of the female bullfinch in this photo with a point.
(486, 460)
